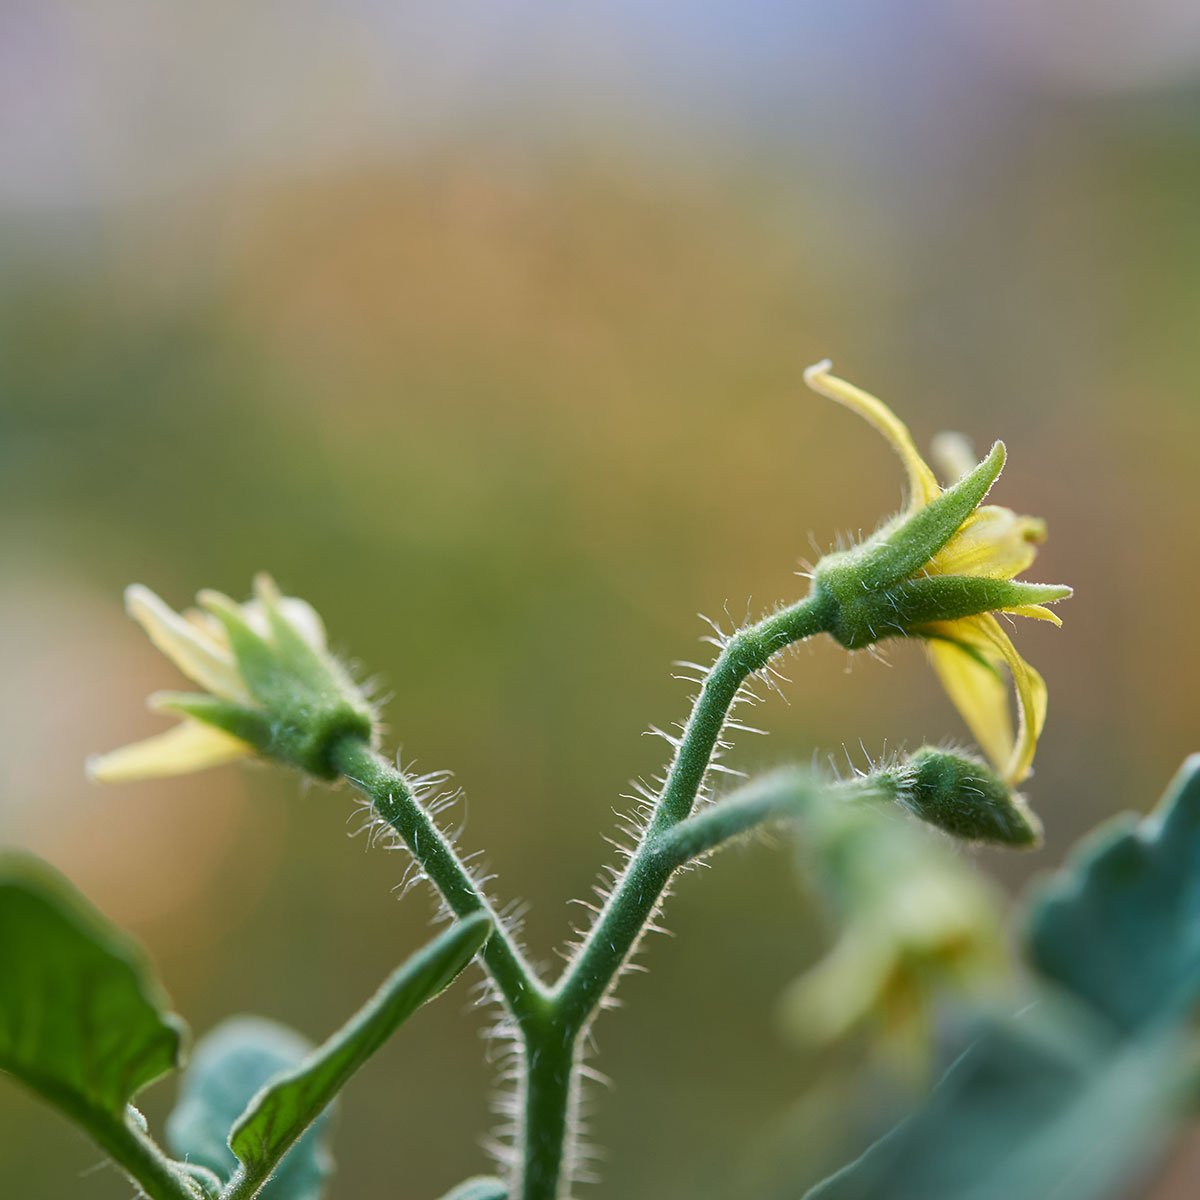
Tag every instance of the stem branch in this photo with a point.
(553, 1021)
(393, 799)
(620, 923)
(780, 796)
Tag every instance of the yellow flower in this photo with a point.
(970, 653)
(270, 686)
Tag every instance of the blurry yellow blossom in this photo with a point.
(270, 686)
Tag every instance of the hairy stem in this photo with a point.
(143, 1161)
(552, 1022)
(620, 923)
(781, 796)
(392, 796)
(549, 1098)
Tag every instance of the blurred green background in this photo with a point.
(482, 327)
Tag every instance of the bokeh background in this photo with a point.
(481, 324)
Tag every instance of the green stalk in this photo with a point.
(393, 799)
(549, 1096)
(781, 796)
(143, 1161)
(633, 901)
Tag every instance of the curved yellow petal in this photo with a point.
(921, 480)
(978, 691)
(994, 542)
(199, 655)
(1039, 612)
(188, 746)
(1031, 699)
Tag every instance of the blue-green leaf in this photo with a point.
(1035, 1108)
(228, 1068)
(1119, 926)
(481, 1187)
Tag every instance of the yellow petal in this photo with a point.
(306, 620)
(199, 655)
(983, 704)
(994, 542)
(979, 693)
(921, 480)
(1039, 612)
(299, 613)
(953, 454)
(1031, 699)
(189, 746)
(841, 990)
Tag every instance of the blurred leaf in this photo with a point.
(481, 1187)
(289, 1104)
(229, 1067)
(1030, 1110)
(82, 1020)
(1119, 926)
(1074, 1098)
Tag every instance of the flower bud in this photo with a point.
(271, 687)
(964, 797)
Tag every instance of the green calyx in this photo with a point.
(965, 798)
(903, 546)
(877, 590)
(305, 702)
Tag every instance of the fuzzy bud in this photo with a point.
(965, 798)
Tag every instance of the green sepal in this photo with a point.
(228, 1068)
(907, 608)
(250, 724)
(303, 736)
(906, 544)
(932, 598)
(481, 1187)
(964, 797)
(1117, 927)
(321, 673)
(258, 662)
(289, 1103)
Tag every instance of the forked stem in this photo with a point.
(551, 1021)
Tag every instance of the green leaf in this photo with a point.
(228, 1068)
(1119, 927)
(82, 1020)
(481, 1187)
(288, 1105)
